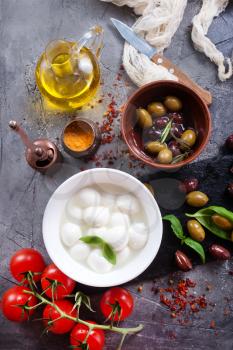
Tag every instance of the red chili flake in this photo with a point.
(212, 324)
(179, 299)
(164, 300)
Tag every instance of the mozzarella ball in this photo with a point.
(70, 234)
(96, 216)
(96, 231)
(123, 255)
(97, 262)
(117, 237)
(140, 227)
(87, 197)
(137, 238)
(80, 251)
(74, 211)
(108, 200)
(119, 219)
(127, 203)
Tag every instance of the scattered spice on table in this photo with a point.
(180, 298)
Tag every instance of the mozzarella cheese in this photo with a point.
(123, 255)
(74, 211)
(119, 219)
(96, 216)
(87, 197)
(108, 200)
(96, 231)
(97, 262)
(128, 204)
(80, 251)
(137, 236)
(70, 234)
(117, 237)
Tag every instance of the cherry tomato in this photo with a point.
(65, 284)
(95, 340)
(63, 325)
(117, 304)
(16, 296)
(25, 260)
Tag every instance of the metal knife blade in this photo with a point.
(128, 34)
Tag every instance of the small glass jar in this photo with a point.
(81, 126)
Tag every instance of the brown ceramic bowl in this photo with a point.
(196, 114)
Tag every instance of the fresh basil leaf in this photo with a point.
(204, 217)
(195, 246)
(109, 253)
(175, 225)
(92, 240)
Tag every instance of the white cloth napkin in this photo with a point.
(158, 22)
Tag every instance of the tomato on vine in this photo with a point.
(79, 339)
(27, 261)
(116, 304)
(15, 302)
(55, 284)
(53, 320)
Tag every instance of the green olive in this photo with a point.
(165, 156)
(173, 103)
(222, 222)
(154, 147)
(157, 109)
(195, 230)
(197, 199)
(144, 118)
(189, 137)
(150, 188)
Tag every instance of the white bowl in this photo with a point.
(55, 209)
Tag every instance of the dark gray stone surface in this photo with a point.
(25, 28)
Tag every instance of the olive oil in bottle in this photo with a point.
(68, 73)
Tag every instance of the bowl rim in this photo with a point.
(206, 136)
(123, 279)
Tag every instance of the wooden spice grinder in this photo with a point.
(40, 154)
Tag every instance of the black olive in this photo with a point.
(174, 147)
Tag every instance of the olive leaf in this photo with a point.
(204, 216)
(178, 231)
(107, 250)
(195, 246)
(165, 132)
(175, 225)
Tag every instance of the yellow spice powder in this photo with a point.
(78, 137)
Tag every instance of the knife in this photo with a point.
(142, 46)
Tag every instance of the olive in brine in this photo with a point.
(195, 230)
(173, 103)
(154, 147)
(144, 118)
(222, 222)
(189, 137)
(197, 199)
(165, 156)
(157, 109)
